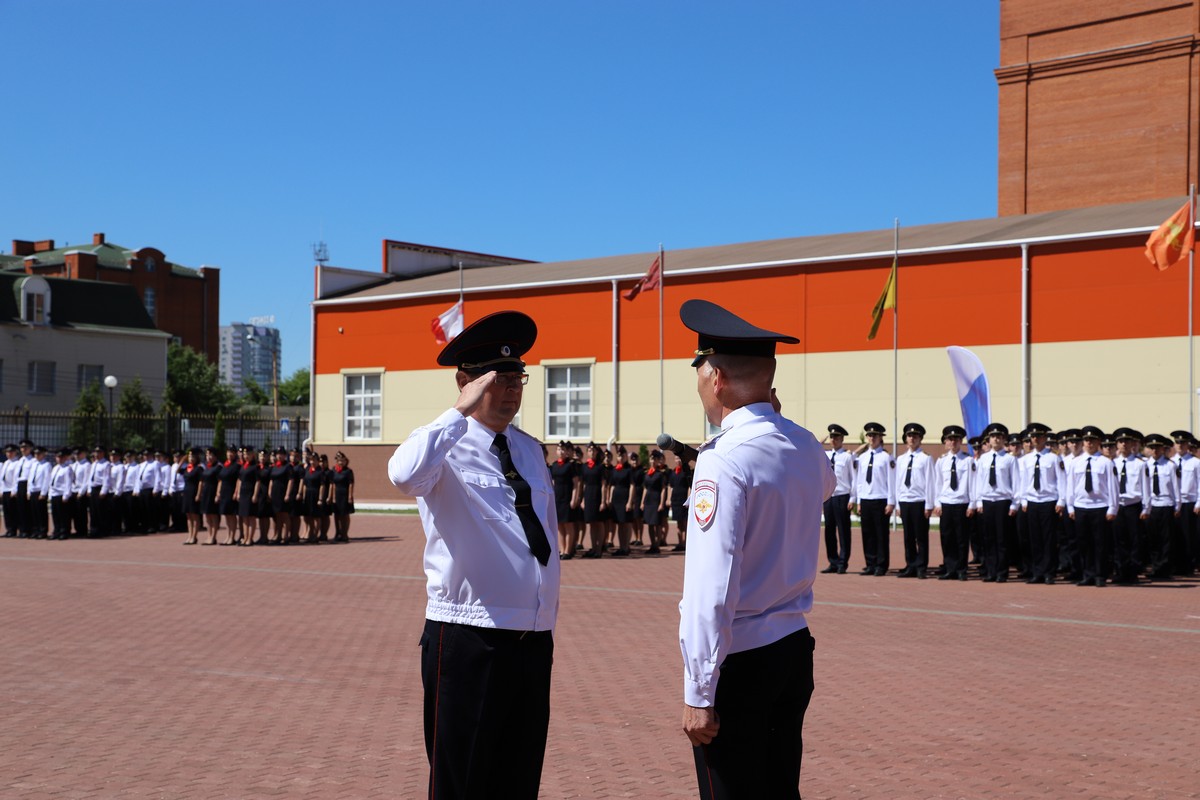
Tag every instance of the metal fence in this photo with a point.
(168, 431)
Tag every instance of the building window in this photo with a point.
(41, 377)
(150, 263)
(35, 300)
(148, 300)
(87, 374)
(569, 402)
(364, 407)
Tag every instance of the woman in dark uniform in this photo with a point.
(281, 481)
(312, 485)
(342, 482)
(564, 474)
(620, 486)
(295, 507)
(326, 500)
(262, 498)
(227, 495)
(192, 472)
(246, 496)
(606, 513)
(637, 480)
(210, 481)
(654, 500)
(680, 480)
(595, 487)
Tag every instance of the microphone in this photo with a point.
(685, 452)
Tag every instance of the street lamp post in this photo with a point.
(111, 382)
(274, 376)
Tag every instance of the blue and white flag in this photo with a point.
(973, 394)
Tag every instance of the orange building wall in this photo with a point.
(968, 299)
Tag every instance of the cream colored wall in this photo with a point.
(1073, 384)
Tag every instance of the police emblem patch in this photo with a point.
(704, 502)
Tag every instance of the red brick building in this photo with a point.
(1099, 102)
(183, 302)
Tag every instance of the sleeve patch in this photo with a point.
(704, 502)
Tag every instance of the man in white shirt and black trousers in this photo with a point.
(1041, 495)
(753, 545)
(837, 508)
(996, 489)
(1092, 498)
(487, 506)
(916, 496)
(876, 501)
(955, 479)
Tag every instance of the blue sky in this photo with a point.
(237, 134)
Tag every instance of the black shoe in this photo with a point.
(949, 576)
(1083, 582)
(654, 550)
(841, 570)
(1100, 581)
(679, 548)
(829, 570)
(906, 573)
(867, 571)
(1001, 579)
(962, 576)
(880, 572)
(920, 574)
(1049, 580)
(1033, 580)
(990, 579)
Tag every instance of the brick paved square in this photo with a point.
(136, 668)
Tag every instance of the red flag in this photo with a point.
(1173, 239)
(647, 282)
(448, 324)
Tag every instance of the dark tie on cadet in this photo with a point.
(1037, 471)
(870, 466)
(1087, 476)
(992, 471)
(534, 532)
(1156, 480)
(953, 474)
(1123, 463)
(908, 472)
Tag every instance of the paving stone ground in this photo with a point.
(136, 668)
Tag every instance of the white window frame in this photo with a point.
(578, 423)
(150, 301)
(35, 300)
(38, 371)
(354, 388)
(82, 379)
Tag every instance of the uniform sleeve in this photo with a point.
(976, 486)
(711, 580)
(1114, 492)
(890, 464)
(1061, 483)
(1014, 477)
(1070, 488)
(417, 463)
(853, 469)
(931, 484)
(1145, 487)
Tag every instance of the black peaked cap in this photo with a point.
(722, 332)
(492, 343)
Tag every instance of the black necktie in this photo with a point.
(1037, 471)
(953, 474)
(992, 471)
(870, 466)
(1156, 480)
(534, 532)
(832, 462)
(1123, 463)
(1087, 482)
(1179, 469)
(908, 472)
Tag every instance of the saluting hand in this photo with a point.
(700, 724)
(471, 394)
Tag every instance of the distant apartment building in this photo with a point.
(249, 351)
(181, 301)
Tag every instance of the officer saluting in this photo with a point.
(487, 506)
(751, 560)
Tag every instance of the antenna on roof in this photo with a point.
(320, 253)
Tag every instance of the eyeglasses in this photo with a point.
(511, 380)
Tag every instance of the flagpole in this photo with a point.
(1191, 392)
(896, 343)
(662, 287)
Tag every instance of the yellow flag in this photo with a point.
(885, 301)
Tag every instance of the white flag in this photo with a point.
(449, 323)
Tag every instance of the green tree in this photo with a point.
(136, 425)
(88, 422)
(294, 390)
(255, 395)
(193, 384)
(219, 434)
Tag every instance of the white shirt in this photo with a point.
(1006, 478)
(118, 478)
(922, 482)
(1168, 484)
(1137, 480)
(1104, 484)
(25, 468)
(842, 462)
(754, 542)
(62, 480)
(1186, 470)
(39, 477)
(1052, 478)
(964, 467)
(100, 476)
(82, 469)
(162, 471)
(8, 474)
(477, 561)
(879, 464)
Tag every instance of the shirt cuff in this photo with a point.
(697, 694)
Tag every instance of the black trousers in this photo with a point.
(59, 512)
(1189, 556)
(994, 530)
(21, 504)
(1093, 531)
(761, 698)
(837, 530)
(916, 536)
(1126, 533)
(1070, 560)
(1018, 546)
(1042, 521)
(1158, 544)
(874, 526)
(99, 516)
(487, 709)
(955, 538)
(39, 514)
(80, 514)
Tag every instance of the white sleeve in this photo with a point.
(417, 463)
